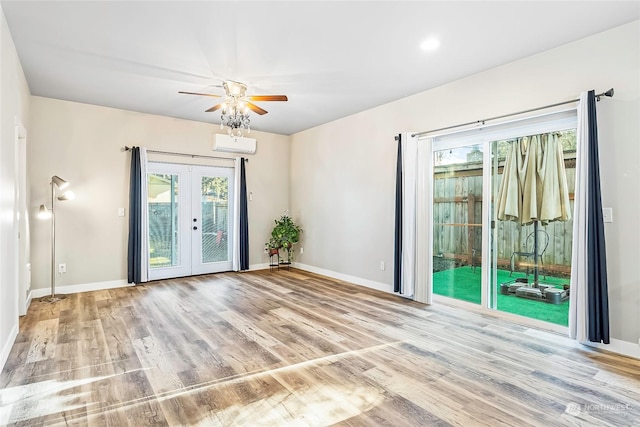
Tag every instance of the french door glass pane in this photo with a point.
(215, 217)
(164, 250)
(457, 223)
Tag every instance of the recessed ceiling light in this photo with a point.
(429, 44)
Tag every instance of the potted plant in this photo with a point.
(272, 246)
(284, 235)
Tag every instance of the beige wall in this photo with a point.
(343, 173)
(337, 178)
(83, 144)
(14, 104)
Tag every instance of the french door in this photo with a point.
(190, 219)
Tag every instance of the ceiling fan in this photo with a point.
(236, 98)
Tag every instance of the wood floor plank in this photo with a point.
(43, 344)
(287, 347)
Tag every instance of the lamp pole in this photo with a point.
(53, 297)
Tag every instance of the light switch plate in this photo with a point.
(607, 214)
(120, 211)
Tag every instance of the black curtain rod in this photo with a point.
(193, 156)
(608, 93)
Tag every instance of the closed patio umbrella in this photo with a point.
(555, 191)
(534, 185)
(509, 203)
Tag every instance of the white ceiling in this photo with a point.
(331, 58)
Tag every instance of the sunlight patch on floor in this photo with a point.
(42, 398)
(312, 406)
(318, 406)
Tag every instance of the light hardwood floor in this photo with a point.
(293, 348)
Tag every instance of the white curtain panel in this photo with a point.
(235, 254)
(578, 295)
(144, 225)
(409, 213)
(423, 291)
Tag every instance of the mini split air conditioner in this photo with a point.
(234, 144)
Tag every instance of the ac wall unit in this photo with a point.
(234, 144)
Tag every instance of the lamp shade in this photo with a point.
(59, 182)
(67, 195)
(43, 212)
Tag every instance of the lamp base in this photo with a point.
(53, 298)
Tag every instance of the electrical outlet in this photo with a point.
(382, 265)
(62, 268)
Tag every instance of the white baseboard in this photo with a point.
(85, 287)
(254, 267)
(8, 344)
(29, 299)
(346, 278)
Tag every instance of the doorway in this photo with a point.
(190, 219)
(22, 249)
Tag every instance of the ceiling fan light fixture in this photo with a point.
(236, 89)
(236, 106)
(235, 118)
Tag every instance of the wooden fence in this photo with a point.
(457, 221)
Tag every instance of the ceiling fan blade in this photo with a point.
(214, 108)
(268, 98)
(256, 109)
(201, 94)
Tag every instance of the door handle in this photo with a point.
(195, 228)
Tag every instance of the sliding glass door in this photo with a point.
(189, 226)
(533, 252)
(501, 215)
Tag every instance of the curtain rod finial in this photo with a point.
(608, 94)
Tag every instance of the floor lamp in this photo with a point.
(60, 184)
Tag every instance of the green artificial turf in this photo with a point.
(463, 283)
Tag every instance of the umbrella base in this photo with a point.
(541, 292)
